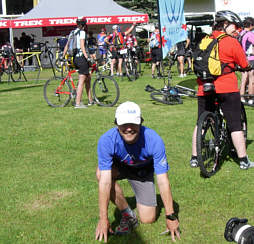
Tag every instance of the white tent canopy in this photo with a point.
(65, 12)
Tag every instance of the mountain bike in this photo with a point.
(213, 138)
(58, 92)
(131, 63)
(10, 67)
(170, 95)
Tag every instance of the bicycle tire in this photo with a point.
(58, 64)
(166, 98)
(106, 91)
(15, 72)
(140, 73)
(244, 123)
(207, 143)
(129, 71)
(56, 98)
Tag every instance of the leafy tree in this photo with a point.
(144, 6)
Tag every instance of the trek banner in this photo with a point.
(172, 23)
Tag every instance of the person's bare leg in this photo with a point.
(88, 88)
(181, 64)
(251, 82)
(194, 142)
(120, 62)
(153, 68)
(80, 88)
(147, 214)
(239, 143)
(113, 61)
(243, 82)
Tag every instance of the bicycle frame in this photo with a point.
(68, 76)
(94, 68)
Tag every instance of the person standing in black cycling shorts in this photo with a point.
(80, 61)
(226, 86)
(156, 54)
(116, 42)
(181, 53)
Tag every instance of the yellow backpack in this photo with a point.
(206, 62)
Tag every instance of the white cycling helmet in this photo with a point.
(115, 27)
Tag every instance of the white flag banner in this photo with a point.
(243, 8)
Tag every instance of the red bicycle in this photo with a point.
(9, 67)
(58, 92)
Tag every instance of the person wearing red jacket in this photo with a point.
(226, 86)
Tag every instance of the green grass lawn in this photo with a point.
(48, 191)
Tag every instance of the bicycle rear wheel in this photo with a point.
(57, 92)
(15, 71)
(244, 122)
(106, 91)
(207, 144)
(166, 98)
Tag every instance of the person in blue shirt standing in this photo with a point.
(134, 152)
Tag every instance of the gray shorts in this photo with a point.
(144, 192)
(143, 186)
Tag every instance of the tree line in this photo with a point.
(143, 6)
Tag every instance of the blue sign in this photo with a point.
(172, 22)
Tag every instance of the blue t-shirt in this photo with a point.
(148, 147)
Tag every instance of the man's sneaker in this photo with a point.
(127, 224)
(244, 165)
(153, 76)
(80, 106)
(91, 103)
(243, 100)
(250, 102)
(193, 162)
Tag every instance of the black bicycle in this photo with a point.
(170, 95)
(130, 64)
(10, 68)
(166, 95)
(214, 139)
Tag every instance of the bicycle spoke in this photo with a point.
(207, 145)
(57, 93)
(106, 91)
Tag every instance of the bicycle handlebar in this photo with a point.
(248, 68)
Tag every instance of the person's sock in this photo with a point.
(127, 211)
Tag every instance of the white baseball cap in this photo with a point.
(128, 113)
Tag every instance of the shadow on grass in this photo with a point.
(228, 155)
(135, 237)
(190, 83)
(20, 88)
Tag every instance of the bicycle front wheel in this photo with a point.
(131, 70)
(106, 91)
(207, 144)
(57, 92)
(166, 98)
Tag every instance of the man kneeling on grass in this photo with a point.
(133, 152)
